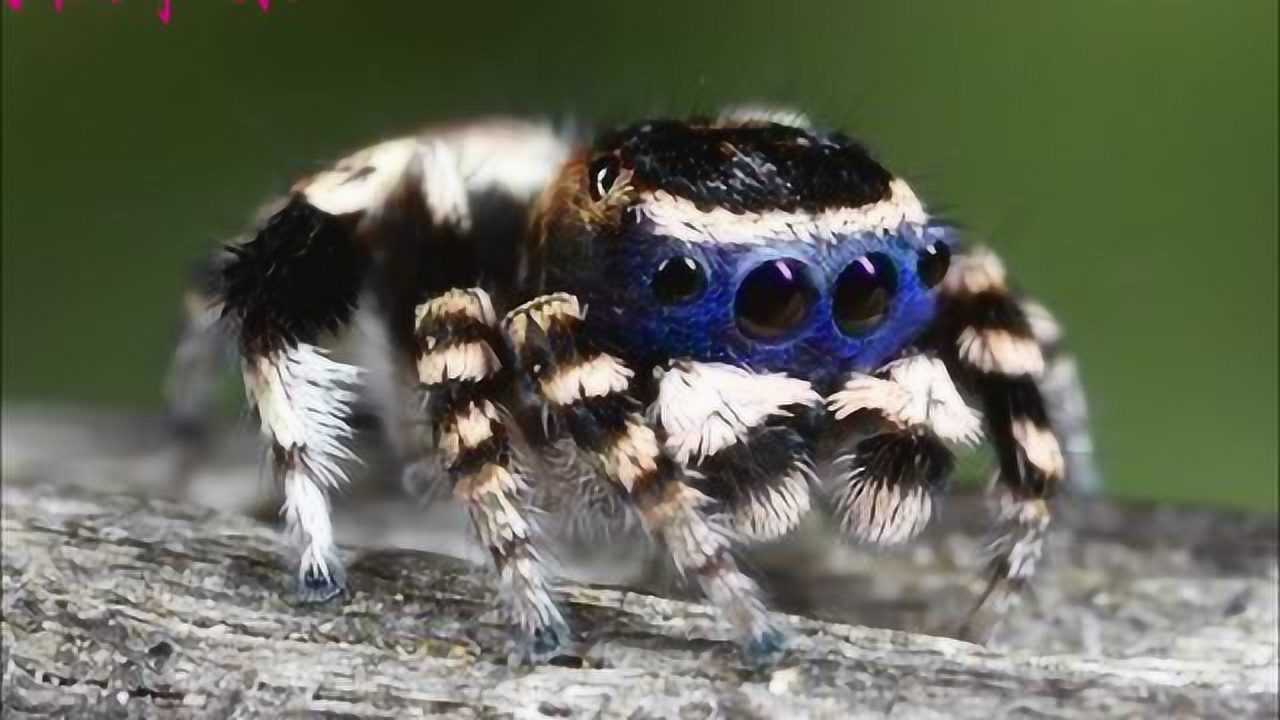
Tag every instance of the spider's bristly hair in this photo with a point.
(999, 349)
(1026, 445)
(1064, 400)
(746, 434)
(886, 482)
(459, 366)
(582, 392)
(992, 342)
(297, 279)
(748, 168)
(764, 479)
(587, 395)
(892, 477)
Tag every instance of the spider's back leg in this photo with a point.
(404, 219)
(205, 348)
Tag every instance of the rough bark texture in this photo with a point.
(121, 604)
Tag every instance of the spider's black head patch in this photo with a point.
(748, 168)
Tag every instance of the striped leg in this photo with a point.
(995, 349)
(584, 394)
(1064, 400)
(893, 458)
(458, 364)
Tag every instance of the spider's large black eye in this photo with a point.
(679, 279)
(863, 292)
(774, 299)
(601, 176)
(933, 263)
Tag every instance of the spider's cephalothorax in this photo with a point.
(720, 320)
(768, 247)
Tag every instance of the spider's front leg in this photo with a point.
(586, 394)
(460, 366)
(1004, 348)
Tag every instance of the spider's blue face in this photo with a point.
(810, 309)
(770, 247)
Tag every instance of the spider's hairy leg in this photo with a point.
(459, 365)
(997, 350)
(891, 454)
(1064, 399)
(739, 431)
(294, 282)
(586, 394)
(380, 219)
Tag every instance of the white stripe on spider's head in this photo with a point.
(681, 219)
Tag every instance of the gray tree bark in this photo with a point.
(128, 605)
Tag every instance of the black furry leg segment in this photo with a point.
(992, 343)
(584, 394)
(459, 365)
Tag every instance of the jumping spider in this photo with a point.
(720, 321)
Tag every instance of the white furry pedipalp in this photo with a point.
(918, 393)
(706, 407)
(776, 509)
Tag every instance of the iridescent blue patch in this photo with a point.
(633, 320)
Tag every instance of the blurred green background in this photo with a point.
(1122, 155)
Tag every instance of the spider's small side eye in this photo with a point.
(601, 176)
(679, 279)
(933, 263)
(774, 299)
(862, 295)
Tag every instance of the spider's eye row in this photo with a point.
(862, 293)
(933, 263)
(601, 176)
(678, 279)
(774, 299)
